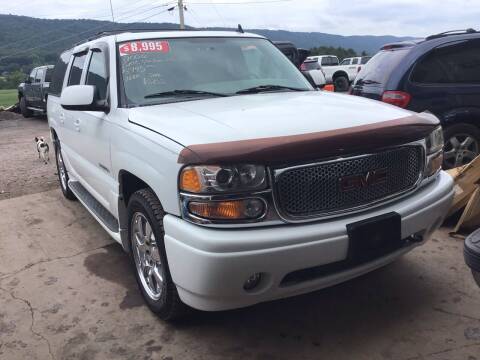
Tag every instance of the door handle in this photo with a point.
(62, 117)
(76, 123)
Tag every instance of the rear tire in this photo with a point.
(341, 83)
(149, 258)
(462, 144)
(26, 112)
(63, 174)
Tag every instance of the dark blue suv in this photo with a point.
(440, 74)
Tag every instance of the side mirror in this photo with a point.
(82, 98)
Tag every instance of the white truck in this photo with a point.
(227, 177)
(340, 74)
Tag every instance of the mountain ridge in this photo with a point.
(27, 40)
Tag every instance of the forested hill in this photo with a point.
(27, 41)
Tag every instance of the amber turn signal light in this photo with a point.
(227, 210)
(190, 181)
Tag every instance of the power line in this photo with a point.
(43, 35)
(83, 32)
(241, 3)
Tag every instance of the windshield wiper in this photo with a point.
(183, 92)
(262, 88)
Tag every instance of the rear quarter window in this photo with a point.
(379, 68)
(457, 63)
(59, 73)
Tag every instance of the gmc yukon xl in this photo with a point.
(228, 178)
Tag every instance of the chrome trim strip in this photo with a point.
(276, 173)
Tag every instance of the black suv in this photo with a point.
(440, 74)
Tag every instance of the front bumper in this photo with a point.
(209, 266)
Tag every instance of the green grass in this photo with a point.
(8, 97)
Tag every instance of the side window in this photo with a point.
(31, 77)
(345, 62)
(333, 60)
(452, 64)
(97, 74)
(76, 70)
(40, 75)
(48, 75)
(355, 61)
(325, 61)
(58, 75)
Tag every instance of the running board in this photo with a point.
(97, 209)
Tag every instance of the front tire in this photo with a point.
(476, 277)
(26, 112)
(63, 174)
(149, 258)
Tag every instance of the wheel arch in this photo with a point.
(338, 74)
(128, 184)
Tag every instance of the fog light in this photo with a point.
(252, 282)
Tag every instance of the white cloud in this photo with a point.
(350, 17)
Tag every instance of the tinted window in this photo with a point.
(311, 65)
(379, 68)
(333, 60)
(31, 77)
(454, 64)
(76, 70)
(59, 73)
(97, 74)
(40, 75)
(365, 59)
(345, 62)
(48, 75)
(354, 61)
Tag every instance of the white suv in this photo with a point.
(231, 180)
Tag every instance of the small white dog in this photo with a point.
(42, 149)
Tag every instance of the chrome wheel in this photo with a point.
(146, 256)
(460, 149)
(62, 173)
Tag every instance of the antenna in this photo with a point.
(240, 29)
(111, 10)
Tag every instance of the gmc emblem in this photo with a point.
(372, 177)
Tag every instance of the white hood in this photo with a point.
(265, 115)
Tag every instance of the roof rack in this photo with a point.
(120, 31)
(452, 32)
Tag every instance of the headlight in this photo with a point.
(435, 141)
(222, 179)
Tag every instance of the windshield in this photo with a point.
(170, 70)
(378, 68)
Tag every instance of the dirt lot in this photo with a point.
(22, 171)
(67, 292)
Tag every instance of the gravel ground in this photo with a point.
(22, 171)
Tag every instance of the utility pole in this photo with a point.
(180, 13)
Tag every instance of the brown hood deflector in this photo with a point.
(312, 146)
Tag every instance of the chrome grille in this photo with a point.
(316, 190)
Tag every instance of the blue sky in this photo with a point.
(345, 17)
